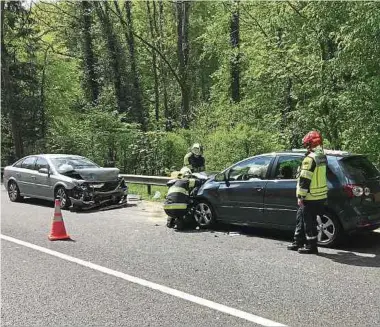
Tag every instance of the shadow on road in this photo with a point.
(366, 243)
(50, 204)
(38, 202)
(234, 230)
(353, 259)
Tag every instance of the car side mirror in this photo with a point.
(227, 177)
(44, 171)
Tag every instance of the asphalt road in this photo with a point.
(125, 268)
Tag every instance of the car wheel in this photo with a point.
(203, 214)
(61, 194)
(329, 230)
(14, 192)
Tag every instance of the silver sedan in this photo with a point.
(75, 180)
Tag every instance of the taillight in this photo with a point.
(353, 190)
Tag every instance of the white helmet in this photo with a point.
(185, 172)
(196, 149)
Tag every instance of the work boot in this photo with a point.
(308, 249)
(180, 224)
(170, 222)
(294, 246)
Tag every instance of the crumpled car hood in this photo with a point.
(98, 174)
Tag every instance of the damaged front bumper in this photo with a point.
(90, 195)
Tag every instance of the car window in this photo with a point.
(75, 162)
(28, 163)
(287, 167)
(359, 168)
(41, 163)
(18, 164)
(250, 169)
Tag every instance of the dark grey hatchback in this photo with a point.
(260, 191)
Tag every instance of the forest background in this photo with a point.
(135, 83)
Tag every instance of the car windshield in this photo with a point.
(360, 168)
(75, 162)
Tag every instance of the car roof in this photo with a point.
(60, 155)
(302, 152)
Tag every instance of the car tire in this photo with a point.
(61, 194)
(204, 214)
(329, 230)
(14, 192)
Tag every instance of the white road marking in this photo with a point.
(164, 289)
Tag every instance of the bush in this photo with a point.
(223, 148)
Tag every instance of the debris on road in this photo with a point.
(157, 195)
(134, 197)
(233, 234)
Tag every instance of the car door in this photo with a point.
(280, 195)
(25, 180)
(43, 182)
(242, 196)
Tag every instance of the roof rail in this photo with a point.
(339, 152)
(299, 150)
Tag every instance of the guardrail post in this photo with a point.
(149, 189)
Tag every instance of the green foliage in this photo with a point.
(302, 65)
(223, 148)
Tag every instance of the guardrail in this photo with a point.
(146, 180)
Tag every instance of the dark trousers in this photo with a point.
(306, 222)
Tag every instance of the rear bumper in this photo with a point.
(356, 217)
(355, 220)
(369, 221)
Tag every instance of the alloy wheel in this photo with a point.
(13, 191)
(203, 214)
(61, 195)
(326, 229)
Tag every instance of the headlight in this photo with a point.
(367, 191)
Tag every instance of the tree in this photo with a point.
(182, 15)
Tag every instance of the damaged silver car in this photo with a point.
(77, 181)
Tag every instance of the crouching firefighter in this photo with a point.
(311, 194)
(178, 199)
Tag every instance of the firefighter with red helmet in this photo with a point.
(311, 194)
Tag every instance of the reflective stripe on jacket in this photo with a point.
(179, 194)
(312, 182)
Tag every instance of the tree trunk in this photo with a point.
(115, 55)
(183, 11)
(234, 37)
(154, 59)
(42, 100)
(91, 81)
(8, 99)
(163, 73)
(137, 93)
(328, 50)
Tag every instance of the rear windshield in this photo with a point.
(359, 168)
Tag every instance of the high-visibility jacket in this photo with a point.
(196, 164)
(312, 181)
(178, 196)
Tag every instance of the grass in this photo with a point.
(142, 190)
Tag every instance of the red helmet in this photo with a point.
(312, 139)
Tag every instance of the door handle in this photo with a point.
(258, 189)
(34, 177)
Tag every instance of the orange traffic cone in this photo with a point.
(58, 230)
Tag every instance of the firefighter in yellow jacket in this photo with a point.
(311, 194)
(178, 198)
